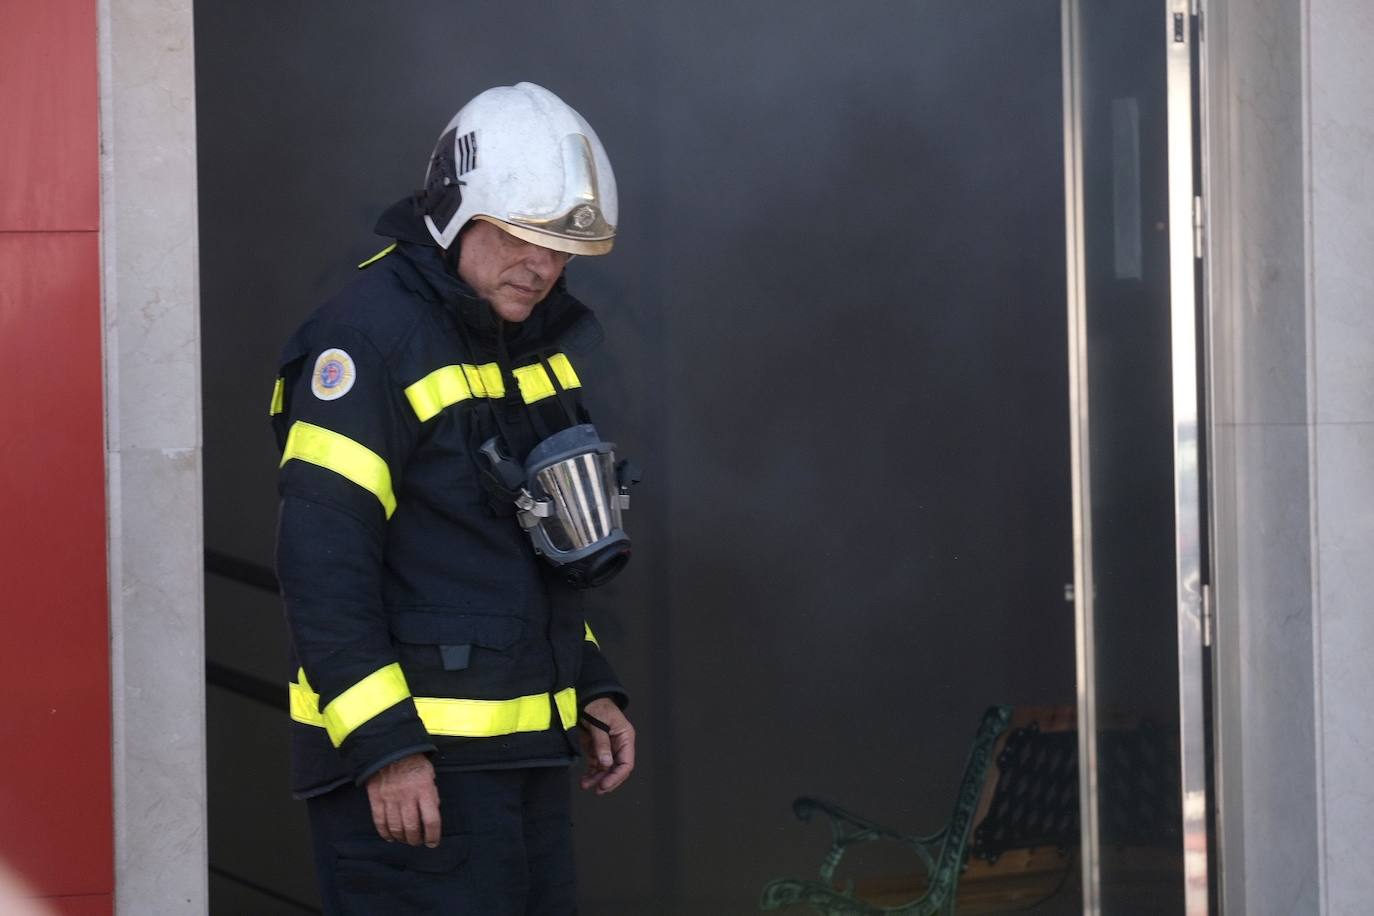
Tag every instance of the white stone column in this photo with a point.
(1340, 197)
(1291, 225)
(152, 395)
(1262, 574)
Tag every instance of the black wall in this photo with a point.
(836, 346)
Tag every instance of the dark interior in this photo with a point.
(836, 348)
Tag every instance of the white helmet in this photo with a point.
(520, 157)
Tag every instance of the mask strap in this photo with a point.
(541, 429)
(485, 404)
(564, 399)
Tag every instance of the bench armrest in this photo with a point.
(848, 829)
(823, 899)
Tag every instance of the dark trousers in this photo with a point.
(506, 850)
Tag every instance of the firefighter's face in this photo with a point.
(512, 274)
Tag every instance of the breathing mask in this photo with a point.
(569, 496)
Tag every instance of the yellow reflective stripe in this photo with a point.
(457, 718)
(340, 454)
(449, 385)
(564, 370)
(373, 695)
(486, 380)
(378, 256)
(566, 701)
(534, 380)
(442, 387)
(305, 703)
(278, 398)
(588, 635)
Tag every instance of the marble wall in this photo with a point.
(1340, 195)
(152, 391)
(1290, 129)
(1262, 576)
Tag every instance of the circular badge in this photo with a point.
(583, 217)
(334, 375)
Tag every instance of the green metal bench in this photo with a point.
(1013, 826)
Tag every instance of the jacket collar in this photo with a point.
(431, 277)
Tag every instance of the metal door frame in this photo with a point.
(1185, 250)
(1083, 589)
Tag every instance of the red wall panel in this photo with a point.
(49, 144)
(55, 783)
(97, 905)
(54, 658)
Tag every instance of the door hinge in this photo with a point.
(1199, 224)
(1206, 615)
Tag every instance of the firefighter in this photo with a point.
(446, 502)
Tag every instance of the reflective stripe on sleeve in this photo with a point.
(455, 718)
(278, 398)
(345, 457)
(373, 695)
(588, 635)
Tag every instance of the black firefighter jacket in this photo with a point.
(420, 618)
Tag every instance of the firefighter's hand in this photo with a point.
(405, 801)
(610, 752)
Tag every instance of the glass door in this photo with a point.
(1133, 269)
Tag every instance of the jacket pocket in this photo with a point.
(439, 627)
(453, 635)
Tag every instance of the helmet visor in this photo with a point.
(546, 239)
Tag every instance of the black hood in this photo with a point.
(404, 222)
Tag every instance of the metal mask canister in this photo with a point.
(571, 501)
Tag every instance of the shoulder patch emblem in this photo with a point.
(334, 375)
